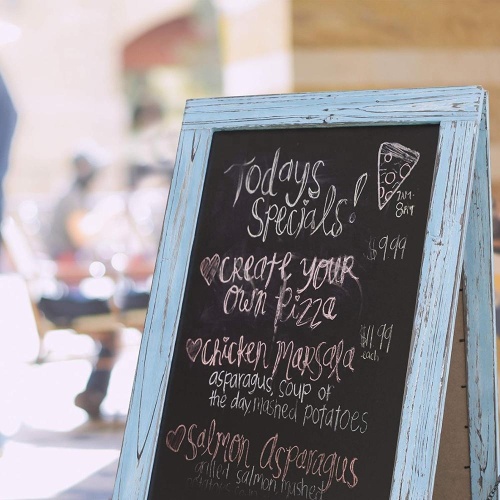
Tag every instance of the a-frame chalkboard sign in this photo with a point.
(325, 260)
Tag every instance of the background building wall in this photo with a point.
(66, 70)
(369, 44)
(64, 80)
(65, 74)
(256, 46)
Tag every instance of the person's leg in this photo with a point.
(97, 385)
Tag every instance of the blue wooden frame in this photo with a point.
(461, 194)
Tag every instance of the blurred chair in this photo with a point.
(84, 302)
(50, 296)
(131, 300)
(145, 207)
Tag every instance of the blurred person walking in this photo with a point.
(68, 237)
(69, 246)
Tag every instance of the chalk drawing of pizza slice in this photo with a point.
(395, 164)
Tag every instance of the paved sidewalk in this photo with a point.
(54, 451)
(75, 465)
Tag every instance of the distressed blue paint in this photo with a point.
(435, 315)
(342, 108)
(162, 319)
(479, 322)
(458, 110)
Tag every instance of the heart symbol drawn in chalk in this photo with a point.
(209, 267)
(193, 348)
(175, 438)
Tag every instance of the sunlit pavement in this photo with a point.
(53, 451)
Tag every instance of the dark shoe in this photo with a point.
(90, 401)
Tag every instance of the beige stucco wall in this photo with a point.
(256, 46)
(65, 75)
(64, 71)
(134, 17)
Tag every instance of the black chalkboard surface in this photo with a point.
(290, 362)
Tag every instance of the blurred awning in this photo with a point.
(163, 45)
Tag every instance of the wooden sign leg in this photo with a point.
(479, 325)
(453, 469)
